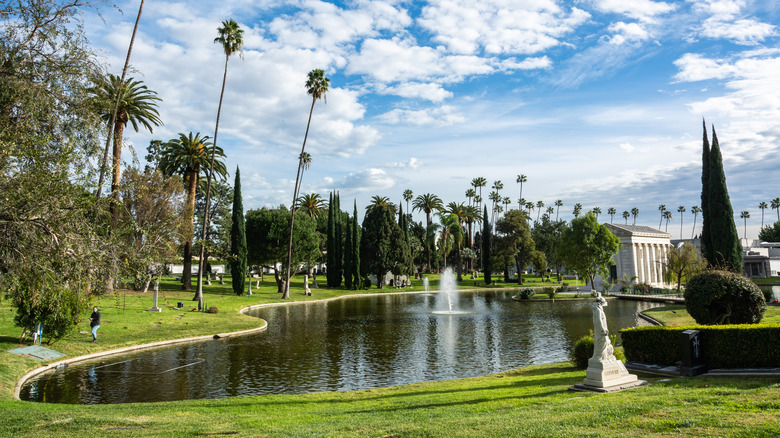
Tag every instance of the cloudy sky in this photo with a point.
(596, 101)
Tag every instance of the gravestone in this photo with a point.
(692, 363)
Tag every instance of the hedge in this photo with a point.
(724, 346)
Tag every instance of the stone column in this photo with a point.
(648, 264)
(635, 261)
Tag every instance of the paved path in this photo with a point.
(653, 298)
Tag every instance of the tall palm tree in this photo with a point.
(596, 212)
(549, 212)
(626, 215)
(137, 105)
(634, 213)
(317, 87)
(558, 205)
(695, 210)
(681, 210)
(428, 203)
(115, 108)
(775, 204)
(745, 215)
(470, 194)
(662, 209)
(471, 215)
(312, 204)
(380, 201)
(478, 183)
(668, 216)
(763, 206)
(577, 209)
(520, 180)
(457, 209)
(187, 156)
(611, 211)
(539, 207)
(407, 197)
(232, 40)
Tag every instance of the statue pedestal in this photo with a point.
(607, 376)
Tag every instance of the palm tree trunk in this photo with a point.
(286, 294)
(199, 290)
(116, 103)
(186, 275)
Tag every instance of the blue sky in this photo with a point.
(597, 102)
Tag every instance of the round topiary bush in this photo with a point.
(526, 293)
(722, 297)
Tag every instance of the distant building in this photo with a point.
(642, 254)
(761, 259)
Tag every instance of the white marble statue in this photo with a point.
(602, 347)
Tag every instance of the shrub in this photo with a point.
(526, 293)
(582, 351)
(550, 291)
(212, 309)
(722, 297)
(725, 346)
(564, 287)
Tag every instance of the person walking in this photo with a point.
(94, 322)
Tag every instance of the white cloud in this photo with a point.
(627, 33)
(412, 163)
(695, 67)
(743, 31)
(368, 180)
(431, 92)
(445, 115)
(628, 147)
(643, 10)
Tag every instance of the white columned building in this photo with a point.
(642, 254)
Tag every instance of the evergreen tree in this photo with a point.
(725, 249)
(487, 264)
(331, 257)
(238, 250)
(356, 278)
(339, 242)
(348, 254)
(706, 245)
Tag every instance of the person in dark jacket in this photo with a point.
(94, 322)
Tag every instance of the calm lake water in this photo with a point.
(342, 345)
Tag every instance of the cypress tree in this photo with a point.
(331, 259)
(487, 264)
(726, 249)
(339, 242)
(348, 254)
(706, 244)
(238, 249)
(356, 279)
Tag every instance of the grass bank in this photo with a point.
(676, 315)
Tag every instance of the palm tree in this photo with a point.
(407, 197)
(520, 180)
(577, 209)
(634, 213)
(611, 211)
(495, 198)
(775, 204)
(745, 215)
(668, 216)
(187, 156)
(470, 194)
(558, 205)
(681, 210)
(549, 212)
(428, 203)
(695, 210)
(305, 159)
(478, 183)
(380, 201)
(312, 204)
(136, 104)
(626, 215)
(596, 212)
(662, 209)
(471, 215)
(763, 206)
(115, 108)
(539, 207)
(231, 38)
(458, 209)
(317, 87)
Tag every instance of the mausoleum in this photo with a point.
(642, 254)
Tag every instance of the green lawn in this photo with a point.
(533, 401)
(676, 315)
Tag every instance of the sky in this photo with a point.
(597, 102)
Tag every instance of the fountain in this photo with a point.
(425, 283)
(448, 286)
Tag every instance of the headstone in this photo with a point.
(692, 363)
(605, 373)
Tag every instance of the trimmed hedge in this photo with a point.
(725, 346)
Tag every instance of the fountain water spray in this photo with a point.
(448, 286)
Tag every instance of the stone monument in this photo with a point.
(605, 373)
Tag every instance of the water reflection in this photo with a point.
(339, 346)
